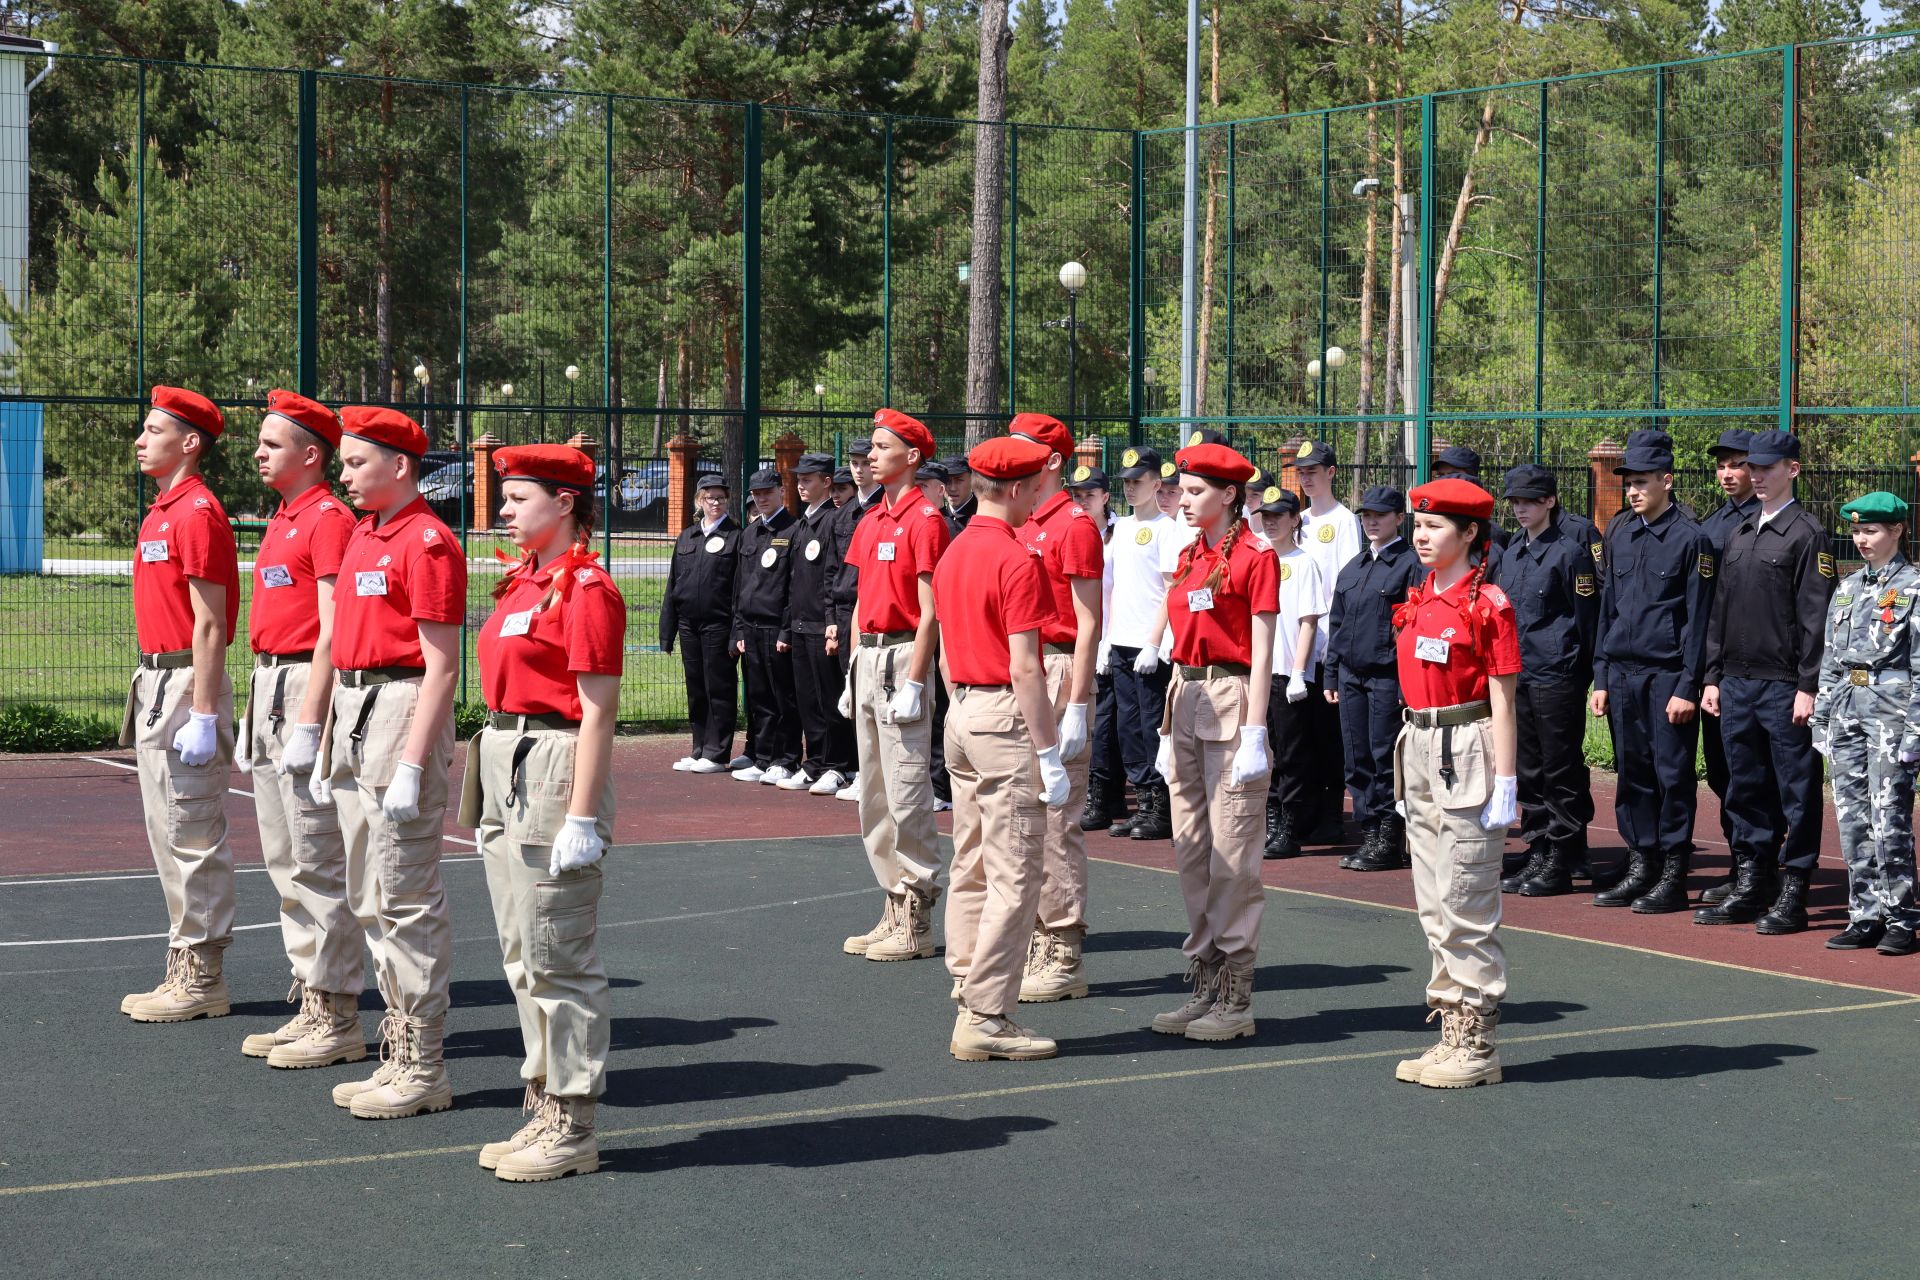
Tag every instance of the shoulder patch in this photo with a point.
(1496, 595)
(1597, 548)
(1704, 565)
(1584, 584)
(1824, 562)
(428, 535)
(928, 510)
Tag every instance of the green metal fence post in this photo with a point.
(750, 300)
(886, 272)
(611, 480)
(1540, 269)
(1232, 225)
(460, 374)
(1659, 223)
(1136, 290)
(1789, 234)
(1320, 353)
(1013, 269)
(307, 236)
(1423, 414)
(140, 239)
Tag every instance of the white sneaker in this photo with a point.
(795, 781)
(851, 791)
(942, 806)
(775, 776)
(684, 764)
(706, 766)
(829, 783)
(749, 774)
(740, 762)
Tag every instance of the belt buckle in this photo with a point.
(1860, 677)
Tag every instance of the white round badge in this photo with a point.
(767, 558)
(715, 543)
(813, 549)
(1326, 533)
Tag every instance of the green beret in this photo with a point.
(1878, 507)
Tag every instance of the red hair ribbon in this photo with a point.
(1407, 610)
(560, 571)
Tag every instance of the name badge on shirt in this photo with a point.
(516, 624)
(767, 558)
(884, 551)
(715, 543)
(813, 549)
(154, 550)
(1428, 649)
(372, 582)
(1200, 600)
(276, 575)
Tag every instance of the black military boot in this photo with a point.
(1123, 821)
(1283, 832)
(1273, 825)
(1535, 863)
(1098, 814)
(1389, 847)
(1669, 892)
(1369, 836)
(1717, 894)
(1747, 902)
(1554, 876)
(1642, 872)
(1789, 911)
(1156, 818)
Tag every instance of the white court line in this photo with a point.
(152, 875)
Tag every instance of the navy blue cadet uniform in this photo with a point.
(697, 613)
(759, 616)
(828, 736)
(1553, 582)
(1765, 645)
(846, 579)
(1656, 595)
(1720, 524)
(1363, 667)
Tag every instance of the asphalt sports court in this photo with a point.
(775, 1108)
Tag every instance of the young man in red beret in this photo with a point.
(1073, 551)
(179, 716)
(291, 627)
(396, 652)
(995, 598)
(894, 549)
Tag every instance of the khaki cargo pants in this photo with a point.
(185, 805)
(1456, 861)
(1063, 884)
(896, 788)
(1217, 827)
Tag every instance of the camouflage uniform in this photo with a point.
(1866, 719)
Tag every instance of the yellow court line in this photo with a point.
(1564, 937)
(940, 1100)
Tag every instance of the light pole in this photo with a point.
(1906, 303)
(573, 376)
(820, 403)
(1336, 356)
(1147, 378)
(1073, 278)
(421, 376)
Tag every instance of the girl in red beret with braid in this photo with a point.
(1459, 653)
(1213, 739)
(539, 790)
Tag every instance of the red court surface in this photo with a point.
(69, 815)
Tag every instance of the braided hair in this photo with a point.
(585, 517)
(1227, 544)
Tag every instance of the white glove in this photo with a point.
(1296, 687)
(242, 759)
(1103, 659)
(578, 845)
(401, 803)
(1073, 731)
(1906, 757)
(906, 703)
(1503, 806)
(1053, 778)
(1250, 759)
(198, 738)
(845, 705)
(1163, 759)
(1147, 663)
(302, 751)
(321, 790)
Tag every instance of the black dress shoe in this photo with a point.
(1857, 936)
(1898, 942)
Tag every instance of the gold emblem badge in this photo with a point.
(1824, 562)
(1306, 449)
(1326, 533)
(1705, 565)
(1142, 536)
(1167, 470)
(1272, 494)
(1584, 585)
(1286, 572)
(1596, 548)
(1081, 473)
(1130, 458)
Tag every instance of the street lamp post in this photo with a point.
(1335, 357)
(573, 376)
(1147, 378)
(820, 403)
(1073, 278)
(421, 376)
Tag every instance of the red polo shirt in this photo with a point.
(304, 542)
(894, 544)
(393, 577)
(1220, 630)
(529, 656)
(1443, 661)
(186, 534)
(1070, 546)
(989, 586)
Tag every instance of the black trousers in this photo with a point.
(773, 714)
(1369, 726)
(1327, 761)
(937, 760)
(1139, 704)
(845, 655)
(1556, 791)
(817, 681)
(1292, 743)
(1658, 790)
(1105, 744)
(1773, 775)
(713, 687)
(1714, 749)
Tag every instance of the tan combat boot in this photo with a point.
(174, 956)
(912, 936)
(1058, 975)
(197, 991)
(1039, 951)
(1205, 977)
(857, 945)
(980, 1036)
(420, 1085)
(332, 1034)
(534, 1104)
(1410, 1069)
(565, 1146)
(1476, 1060)
(262, 1043)
(1232, 1014)
(392, 1031)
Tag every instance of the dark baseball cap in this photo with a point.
(1089, 478)
(711, 481)
(1459, 457)
(1139, 461)
(1312, 453)
(813, 464)
(843, 476)
(764, 478)
(1770, 447)
(1648, 450)
(860, 448)
(1274, 499)
(956, 466)
(1202, 435)
(1531, 480)
(1385, 499)
(1732, 440)
(931, 470)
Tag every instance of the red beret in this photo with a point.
(310, 414)
(1050, 432)
(389, 427)
(1215, 462)
(1452, 497)
(912, 432)
(191, 408)
(558, 464)
(1008, 458)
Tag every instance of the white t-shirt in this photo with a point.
(1303, 594)
(1332, 540)
(1135, 581)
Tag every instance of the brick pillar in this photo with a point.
(683, 474)
(786, 456)
(486, 486)
(1607, 495)
(1090, 452)
(1287, 475)
(585, 444)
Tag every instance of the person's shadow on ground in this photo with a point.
(821, 1143)
(1318, 1027)
(1278, 978)
(689, 1082)
(1659, 1062)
